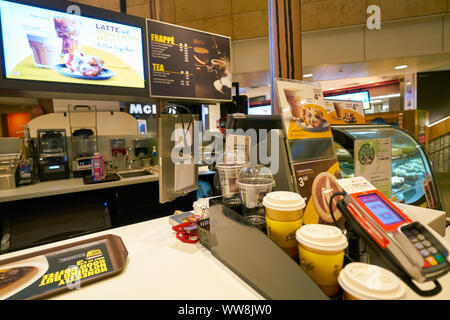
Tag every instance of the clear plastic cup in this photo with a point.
(228, 175)
(361, 281)
(254, 182)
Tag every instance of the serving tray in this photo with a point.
(55, 270)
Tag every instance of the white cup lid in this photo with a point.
(321, 237)
(284, 201)
(370, 282)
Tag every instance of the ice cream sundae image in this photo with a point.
(312, 118)
(349, 117)
(82, 64)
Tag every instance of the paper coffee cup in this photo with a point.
(284, 216)
(321, 254)
(361, 281)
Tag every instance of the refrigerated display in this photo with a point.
(411, 172)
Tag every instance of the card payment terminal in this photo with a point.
(407, 247)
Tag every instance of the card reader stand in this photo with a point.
(257, 260)
(384, 258)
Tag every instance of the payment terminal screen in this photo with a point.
(380, 209)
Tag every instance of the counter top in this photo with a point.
(159, 267)
(64, 186)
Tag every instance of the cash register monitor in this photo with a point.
(256, 122)
(282, 175)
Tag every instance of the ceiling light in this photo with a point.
(395, 95)
(307, 75)
(400, 67)
(439, 121)
(331, 88)
(370, 82)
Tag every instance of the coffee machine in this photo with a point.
(53, 161)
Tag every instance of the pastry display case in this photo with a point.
(412, 179)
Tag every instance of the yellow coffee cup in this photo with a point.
(284, 216)
(321, 254)
(362, 281)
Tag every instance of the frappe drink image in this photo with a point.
(46, 50)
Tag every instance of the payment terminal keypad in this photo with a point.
(433, 252)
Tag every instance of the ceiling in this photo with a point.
(356, 74)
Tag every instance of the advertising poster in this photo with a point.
(303, 109)
(316, 182)
(46, 45)
(188, 64)
(373, 162)
(345, 112)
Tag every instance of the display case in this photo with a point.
(411, 174)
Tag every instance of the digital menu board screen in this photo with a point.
(362, 96)
(42, 44)
(188, 64)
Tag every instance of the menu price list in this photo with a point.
(186, 63)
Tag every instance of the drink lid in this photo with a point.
(321, 237)
(370, 282)
(284, 201)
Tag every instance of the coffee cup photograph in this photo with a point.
(212, 71)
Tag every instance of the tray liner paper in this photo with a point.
(62, 268)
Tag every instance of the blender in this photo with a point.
(83, 148)
(53, 161)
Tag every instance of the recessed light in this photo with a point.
(332, 88)
(307, 75)
(370, 82)
(403, 66)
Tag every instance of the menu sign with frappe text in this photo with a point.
(188, 64)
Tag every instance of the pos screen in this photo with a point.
(385, 213)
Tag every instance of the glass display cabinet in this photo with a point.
(411, 175)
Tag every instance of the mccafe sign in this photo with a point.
(137, 108)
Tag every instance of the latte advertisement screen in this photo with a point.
(188, 64)
(47, 45)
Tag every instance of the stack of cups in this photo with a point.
(321, 254)
(228, 175)
(361, 281)
(284, 216)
